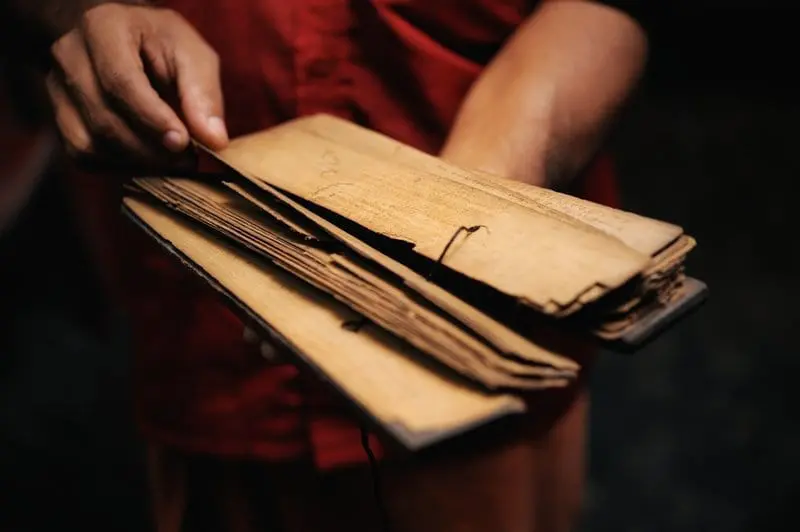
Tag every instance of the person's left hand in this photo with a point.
(269, 350)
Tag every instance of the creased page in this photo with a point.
(546, 262)
(370, 367)
(643, 234)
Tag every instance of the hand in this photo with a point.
(113, 75)
(269, 351)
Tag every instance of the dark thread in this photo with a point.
(468, 230)
(355, 325)
(376, 481)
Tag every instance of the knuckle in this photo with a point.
(116, 83)
(102, 125)
(211, 53)
(97, 14)
(213, 58)
(171, 15)
(168, 21)
(90, 17)
(74, 85)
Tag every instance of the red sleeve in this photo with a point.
(599, 183)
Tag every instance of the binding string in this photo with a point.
(355, 325)
(377, 491)
(463, 228)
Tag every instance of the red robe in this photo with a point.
(401, 67)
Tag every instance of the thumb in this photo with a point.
(200, 93)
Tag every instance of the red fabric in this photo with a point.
(16, 142)
(20, 156)
(401, 67)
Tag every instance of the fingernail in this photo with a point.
(268, 352)
(174, 141)
(217, 128)
(250, 336)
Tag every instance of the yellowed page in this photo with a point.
(495, 332)
(360, 289)
(546, 262)
(371, 367)
(645, 235)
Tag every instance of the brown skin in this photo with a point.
(115, 74)
(540, 110)
(537, 114)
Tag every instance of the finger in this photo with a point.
(75, 134)
(270, 353)
(116, 60)
(250, 336)
(267, 351)
(105, 125)
(200, 93)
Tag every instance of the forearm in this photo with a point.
(540, 109)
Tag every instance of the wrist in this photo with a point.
(501, 129)
(495, 159)
(489, 142)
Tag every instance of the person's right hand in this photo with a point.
(132, 84)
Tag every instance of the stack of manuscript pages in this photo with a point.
(428, 295)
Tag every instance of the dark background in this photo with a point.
(699, 431)
(696, 433)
